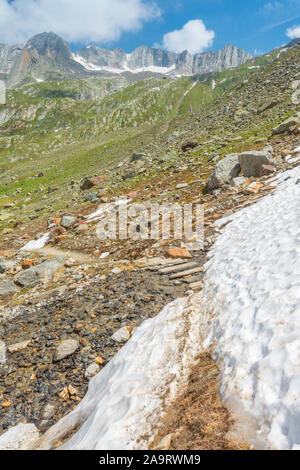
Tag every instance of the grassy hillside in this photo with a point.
(52, 133)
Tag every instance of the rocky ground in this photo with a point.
(38, 386)
(60, 332)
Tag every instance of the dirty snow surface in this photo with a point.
(252, 298)
(37, 244)
(125, 400)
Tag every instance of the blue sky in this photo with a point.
(254, 25)
(197, 25)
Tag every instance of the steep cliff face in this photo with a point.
(45, 56)
(147, 57)
(8, 56)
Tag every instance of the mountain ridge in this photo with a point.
(183, 63)
(46, 56)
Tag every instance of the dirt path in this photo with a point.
(79, 257)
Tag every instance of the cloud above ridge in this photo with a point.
(75, 20)
(293, 32)
(193, 37)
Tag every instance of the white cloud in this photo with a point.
(193, 37)
(293, 32)
(75, 20)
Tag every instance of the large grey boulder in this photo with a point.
(252, 162)
(8, 288)
(286, 125)
(42, 272)
(226, 169)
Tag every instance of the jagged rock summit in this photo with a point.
(155, 60)
(46, 56)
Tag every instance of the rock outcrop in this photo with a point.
(226, 169)
(253, 162)
(146, 57)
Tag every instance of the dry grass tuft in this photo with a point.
(198, 420)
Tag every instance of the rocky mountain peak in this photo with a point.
(49, 44)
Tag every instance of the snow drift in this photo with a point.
(124, 401)
(252, 299)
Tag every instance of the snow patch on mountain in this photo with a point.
(91, 67)
(252, 315)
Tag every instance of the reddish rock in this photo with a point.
(57, 231)
(88, 183)
(179, 253)
(267, 170)
(27, 263)
(98, 180)
(59, 238)
(132, 194)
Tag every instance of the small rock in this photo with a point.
(238, 181)
(92, 198)
(27, 263)
(82, 228)
(123, 334)
(129, 175)
(6, 265)
(6, 404)
(64, 394)
(68, 221)
(92, 370)
(179, 253)
(181, 186)
(99, 361)
(165, 443)
(78, 327)
(266, 106)
(116, 270)
(2, 352)
(137, 156)
(13, 348)
(48, 411)
(88, 183)
(72, 390)
(188, 145)
(65, 349)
